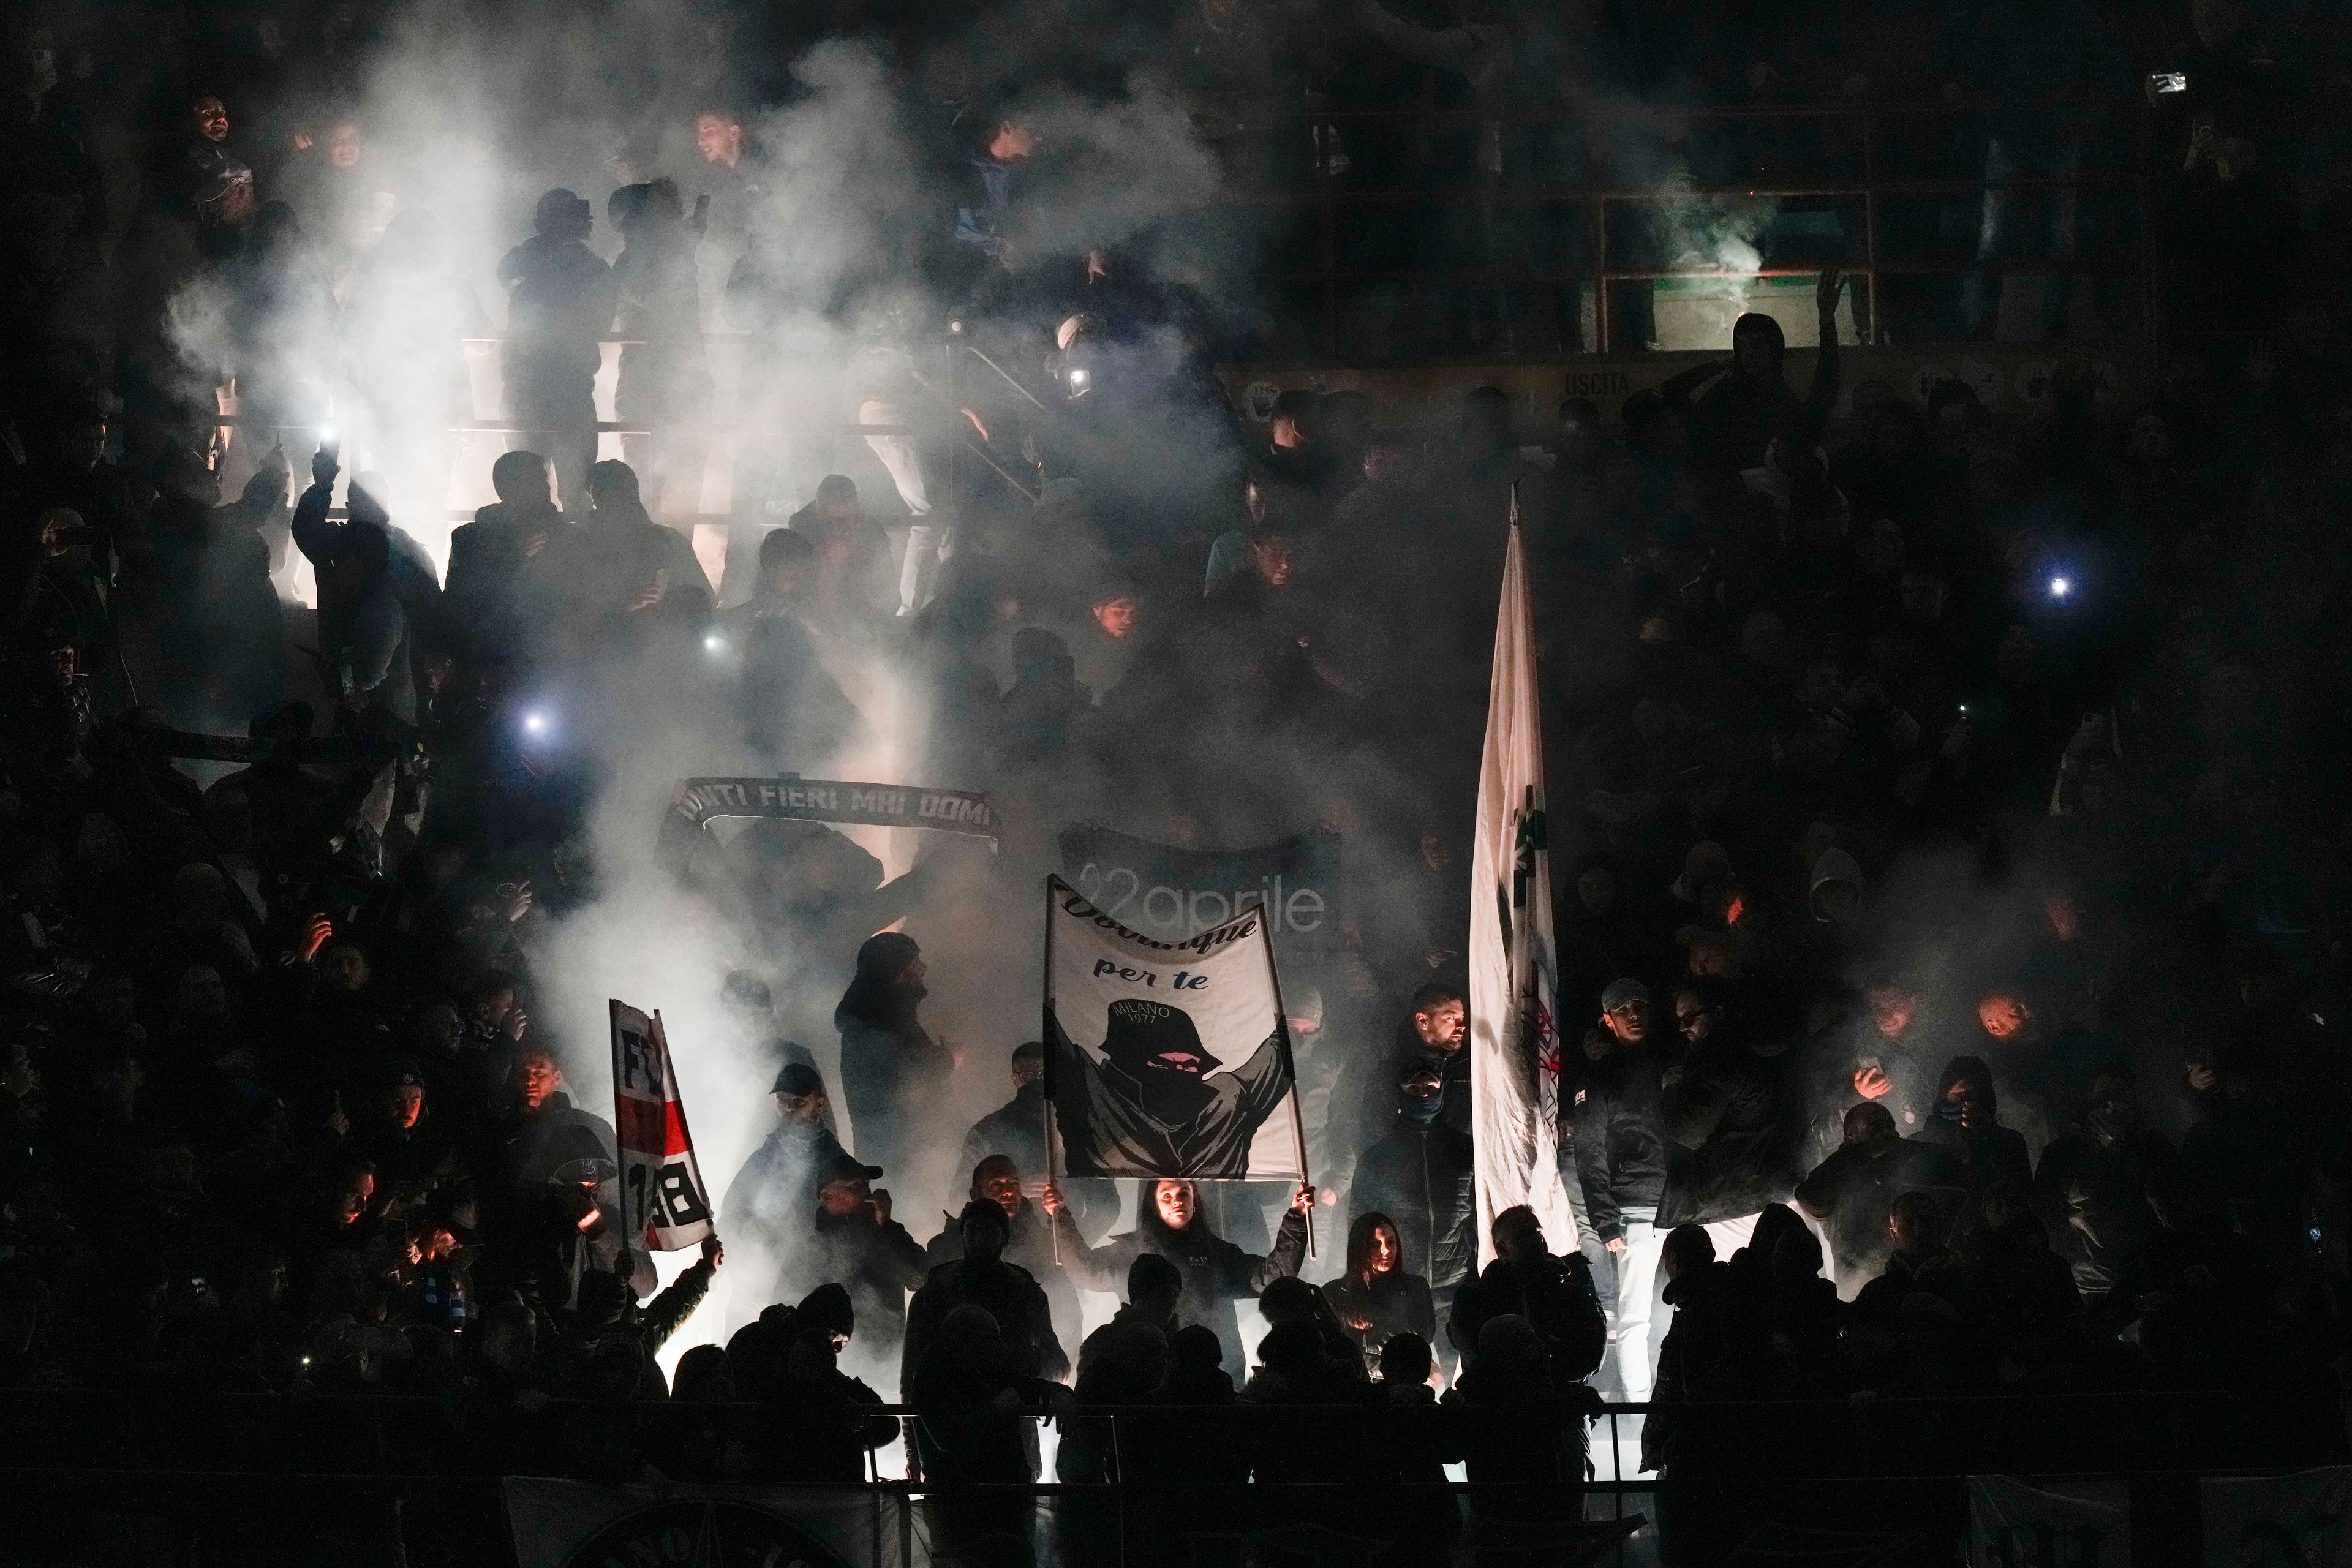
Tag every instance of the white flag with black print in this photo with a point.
(1514, 968)
(1166, 1057)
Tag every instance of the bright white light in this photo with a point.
(1078, 378)
(326, 433)
(715, 643)
(2059, 587)
(535, 722)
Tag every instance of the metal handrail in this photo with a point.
(1487, 191)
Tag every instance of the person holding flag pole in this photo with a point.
(1170, 1062)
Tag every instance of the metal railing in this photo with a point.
(430, 1467)
(1334, 196)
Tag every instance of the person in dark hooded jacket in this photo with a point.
(1964, 1124)
(1735, 423)
(893, 1074)
(364, 627)
(1216, 1272)
(1420, 1175)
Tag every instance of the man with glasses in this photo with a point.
(1621, 1158)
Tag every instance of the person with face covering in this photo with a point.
(2091, 1189)
(1964, 1124)
(854, 1242)
(765, 1211)
(1378, 1297)
(981, 1278)
(1734, 424)
(893, 1074)
(1216, 1272)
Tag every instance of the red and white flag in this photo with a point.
(664, 1204)
(1514, 968)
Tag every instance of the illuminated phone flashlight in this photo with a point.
(537, 723)
(1078, 381)
(714, 643)
(326, 435)
(2061, 586)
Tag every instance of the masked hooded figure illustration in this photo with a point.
(1157, 1104)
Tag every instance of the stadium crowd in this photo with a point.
(1946, 801)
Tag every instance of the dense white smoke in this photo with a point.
(469, 115)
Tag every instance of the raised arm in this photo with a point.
(1823, 396)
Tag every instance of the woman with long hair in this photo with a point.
(1376, 1297)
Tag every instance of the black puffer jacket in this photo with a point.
(1987, 1155)
(1619, 1124)
(1722, 1114)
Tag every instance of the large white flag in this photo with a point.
(664, 1204)
(1513, 967)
